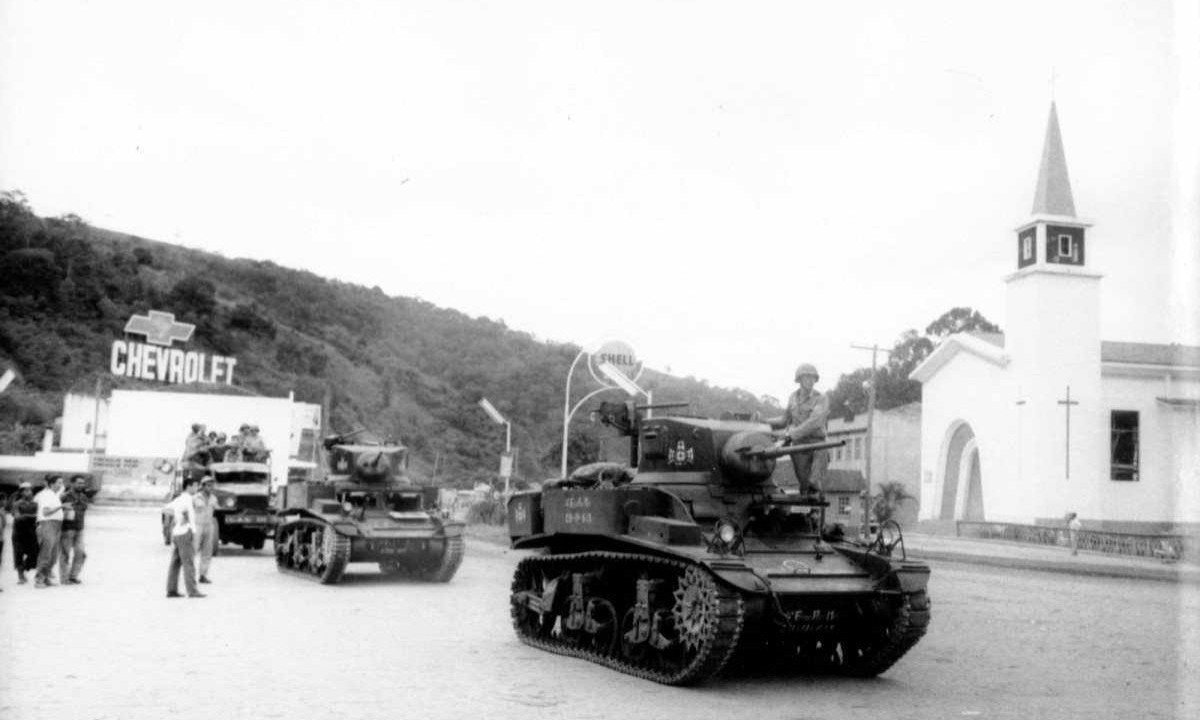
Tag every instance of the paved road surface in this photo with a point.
(1003, 644)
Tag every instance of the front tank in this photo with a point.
(698, 558)
(363, 510)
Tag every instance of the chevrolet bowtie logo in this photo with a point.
(159, 328)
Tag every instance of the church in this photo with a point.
(1049, 417)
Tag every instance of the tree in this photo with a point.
(960, 319)
(894, 387)
(887, 502)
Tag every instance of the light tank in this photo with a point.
(363, 510)
(671, 568)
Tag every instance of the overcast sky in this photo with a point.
(730, 187)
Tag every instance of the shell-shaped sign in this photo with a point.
(620, 355)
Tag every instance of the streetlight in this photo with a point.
(620, 382)
(499, 419)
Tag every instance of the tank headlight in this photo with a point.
(727, 533)
(229, 502)
(348, 506)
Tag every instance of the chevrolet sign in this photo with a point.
(155, 359)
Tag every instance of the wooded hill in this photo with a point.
(398, 366)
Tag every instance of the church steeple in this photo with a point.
(1054, 236)
(1053, 194)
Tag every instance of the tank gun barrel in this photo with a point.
(662, 406)
(771, 453)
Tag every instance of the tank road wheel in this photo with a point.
(330, 554)
(443, 568)
(682, 629)
(284, 543)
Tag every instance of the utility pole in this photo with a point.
(871, 389)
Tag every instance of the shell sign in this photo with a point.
(620, 355)
(157, 359)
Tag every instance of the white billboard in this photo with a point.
(155, 424)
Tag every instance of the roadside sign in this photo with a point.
(620, 355)
(506, 465)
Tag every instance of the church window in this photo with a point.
(858, 444)
(843, 505)
(1027, 247)
(1066, 247)
(1124, 446)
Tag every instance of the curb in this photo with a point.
(1172, 574)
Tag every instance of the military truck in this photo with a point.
(243, 502)
(364, 509)
(690, 557)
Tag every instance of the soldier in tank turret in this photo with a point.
(804, 422)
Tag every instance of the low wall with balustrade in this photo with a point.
(1149, 545)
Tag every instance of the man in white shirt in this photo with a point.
(183, 533)
(49, 529)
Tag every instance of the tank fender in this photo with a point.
(452, 529)
(912, 576)
(737, 574)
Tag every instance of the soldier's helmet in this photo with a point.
(807, 369)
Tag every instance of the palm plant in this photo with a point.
(886, 503)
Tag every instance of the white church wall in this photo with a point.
(971, 390)
(1168, 464)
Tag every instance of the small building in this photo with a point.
(895, 452)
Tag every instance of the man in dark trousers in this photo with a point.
(71, 553)
(24, 532)
(183, 533)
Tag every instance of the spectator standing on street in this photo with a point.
(72, 554)
(24, 532)
(1073, 527)
(183, 538)
(206, 525)
(49, 529)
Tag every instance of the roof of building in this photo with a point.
(1053, 193)
(957, 343)
(843, 481)
(1150, 354)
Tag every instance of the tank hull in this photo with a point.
(683, 606)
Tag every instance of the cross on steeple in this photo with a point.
(159, 328)
(1068, 402)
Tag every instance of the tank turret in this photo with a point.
(368, 463)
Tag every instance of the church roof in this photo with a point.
(1150, 354)
(947, 349)
(1053, 193)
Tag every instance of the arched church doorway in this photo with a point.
(962, 480)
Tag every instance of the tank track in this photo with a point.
(429, 570)
(863, 646)
(322, 558)
(717, 612)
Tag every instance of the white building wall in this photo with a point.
(155, 424)
(84, 423)
(1169, 467)
(975, 391)
(1053, 340)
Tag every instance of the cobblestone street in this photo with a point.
(1003, 644)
